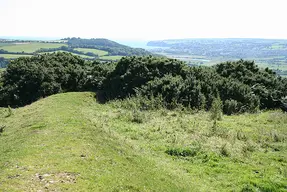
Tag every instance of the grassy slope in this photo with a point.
(95, 51)
(113, 58)
(13, 56)
(68, 141)
(30, 47)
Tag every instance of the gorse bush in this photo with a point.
(155, 81)
(230, 106)
(134, 72)
(194, 87)
(28, 79)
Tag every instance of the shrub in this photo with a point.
(181, 152)
(28, 79)
(224, 151)
(216, 110)
(185, 152)
(134, 72)
(138, 117)
(230, 106)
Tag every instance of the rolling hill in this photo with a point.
(70, 142)
(91, 49)
(266, 52)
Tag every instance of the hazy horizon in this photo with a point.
(144, 20)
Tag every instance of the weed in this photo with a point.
(181, 152)
(241, 136)
(216, 110)
(2, 127)
(276, 137)
(224, 151)
(248, 147)
(10, 111)
(138, 117)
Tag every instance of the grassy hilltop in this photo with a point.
(70, 142)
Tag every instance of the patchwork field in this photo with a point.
(13, 56)
(29, 47)
(114, 58)
(95, 51)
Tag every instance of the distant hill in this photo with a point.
(90, 49)
(112, 47)
(231, 48)
(270, 53)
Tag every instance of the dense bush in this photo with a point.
(264, 83)
(28, 79)
(230, 106)
(241, 85)
(99, 72)
(133, 72)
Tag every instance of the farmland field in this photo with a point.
(269, 53)
(114, 58)
(95, 51)
(13, 56)
(29, 47)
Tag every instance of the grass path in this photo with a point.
(70, 142)
(53, 146)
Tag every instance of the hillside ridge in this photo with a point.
(70, 142)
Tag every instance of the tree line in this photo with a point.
(240, 85)
(68, 49)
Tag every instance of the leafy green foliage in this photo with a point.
(265, 84)
(133, 72)
(181, 152)
(230, 106)
(98, 74)
(241, 85)
(216, 110)
(196, 87)
(28, 79)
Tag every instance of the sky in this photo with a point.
(144, 19)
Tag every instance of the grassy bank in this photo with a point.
(68, 141)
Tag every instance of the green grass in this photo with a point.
(30, 47)
(113, 58)
(13, 56)
(95, 51)
(70, 142)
